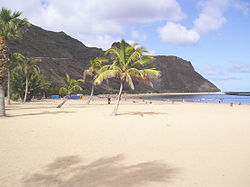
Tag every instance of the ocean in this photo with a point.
(205, 98)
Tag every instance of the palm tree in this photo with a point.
(27, 65)
(128, 62)
(13, 64)
(69, 86)
(10, 28)
(37, 84)
(94, 70)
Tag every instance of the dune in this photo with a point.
(158, 144)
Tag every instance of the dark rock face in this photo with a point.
(62, 54)
(38, 42)
(178, 75)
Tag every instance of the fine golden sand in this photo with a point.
(158, 144)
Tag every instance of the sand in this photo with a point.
(158, 144)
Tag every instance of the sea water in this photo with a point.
(205, 98)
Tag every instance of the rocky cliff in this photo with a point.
(62, 54)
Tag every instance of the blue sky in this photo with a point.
(213, 34)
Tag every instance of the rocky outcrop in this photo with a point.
(178, 75)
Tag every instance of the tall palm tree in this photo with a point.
(128, 62)
(69, 86)
(94, 70)
(27, 65)
(10, 28)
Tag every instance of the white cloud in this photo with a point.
(99, 19)
(216, 73)
(151, 52)
(139, 11)
(212, 70)
(211, 17)
(239, 68)
(138, 36)
(103, 20)
(242, 6)
(178, 34)
(131, 42)
(223, 78)
(102, 41)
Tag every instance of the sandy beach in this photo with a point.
(158, 144)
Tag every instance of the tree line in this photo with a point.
(25, 81)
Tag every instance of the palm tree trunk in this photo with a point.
(2, 102)
(117, 101)
(61, 104)
(91, 95)
(4, 66)
(26, 90)
(9, 87)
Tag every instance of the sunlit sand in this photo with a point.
(158, 144)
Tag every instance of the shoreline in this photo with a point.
(161, 94)
(184, 97)
(175, 93)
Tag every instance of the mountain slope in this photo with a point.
(62, 54)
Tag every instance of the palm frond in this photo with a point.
(103, 68)
(136, 73)
(95, 67)
(74, 88)
(97, 62)
(70, 85)
(36, 69)
(66, 80)
(85, 73)
(122, 52)
(106, 75)
(151, 72)
(67, 77)
(142, 61)
(10, 25)
(127, 64)
(133, 57)
(129, 80)
(62, 91)
(128, 50)
(16, 14)
(113, 50)
(101, 59)
(115, 54)
(81, 80)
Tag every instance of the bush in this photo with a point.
(38, 86)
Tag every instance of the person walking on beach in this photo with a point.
(109, 99)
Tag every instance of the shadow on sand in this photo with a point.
(140, 113)
(27, 108)
(107, 172)
(40, 113)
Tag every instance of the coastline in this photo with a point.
(174, 93)
(136, 96)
